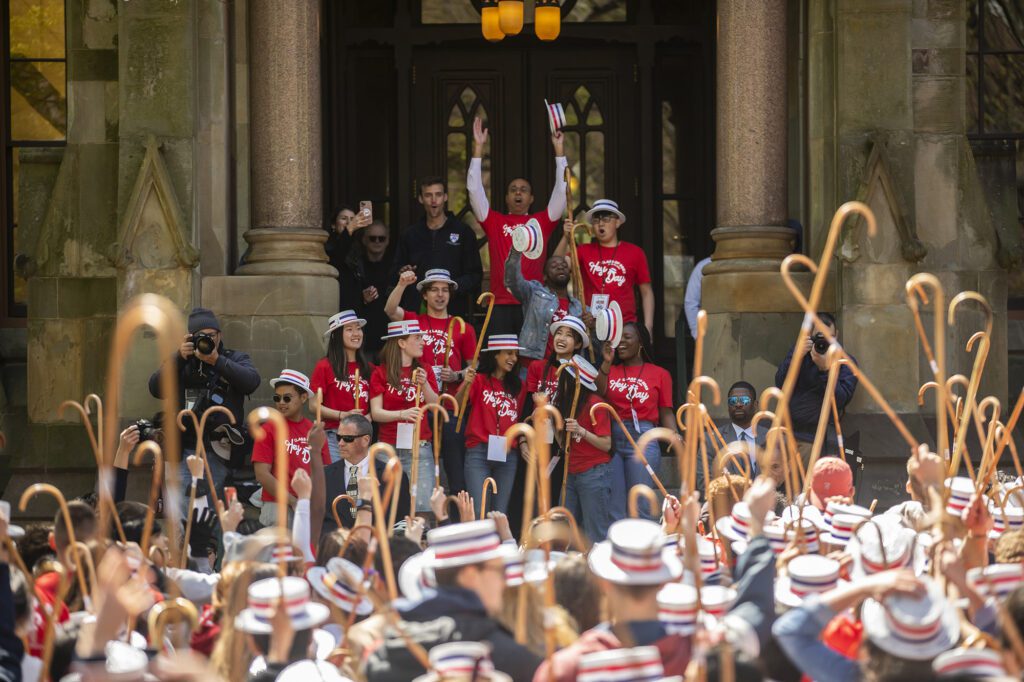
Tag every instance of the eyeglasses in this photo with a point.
(739, 400)
(349, 439)
(603, 218)
(380, 239)
(286, 398)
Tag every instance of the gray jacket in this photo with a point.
(539, 306)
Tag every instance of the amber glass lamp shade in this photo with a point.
(510, 14)
(547, 20)
(490, 23)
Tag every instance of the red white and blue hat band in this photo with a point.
(263, 609)
(464, 546)
(339, 320)
(914, 633)
(586, 372)
(572, 322)
(437, 275)
(402, 328)
(605, 206)
(556, 115)
(642, 561)
(497, 342)
(290, 376)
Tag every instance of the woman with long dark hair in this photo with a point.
(496, 397)
(568, 337)
(641, 393)
(339, 371)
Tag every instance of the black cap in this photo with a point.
(202, 318)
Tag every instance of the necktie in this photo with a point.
(352, 489)
(747, 440)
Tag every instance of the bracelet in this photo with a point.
(362, 504)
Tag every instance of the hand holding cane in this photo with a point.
(636, 453)
(199, 424)
(489, 297)
(257, 419)
(195, 467)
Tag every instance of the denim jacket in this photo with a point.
(539, 306)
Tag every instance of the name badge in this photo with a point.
(496, 449)
(403, 441)
(552, 464)
(599, 302)
(636, 420)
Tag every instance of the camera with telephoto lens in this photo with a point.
(147, 430)
(821, 344)
(204, 343)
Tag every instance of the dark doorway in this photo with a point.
(404, 79)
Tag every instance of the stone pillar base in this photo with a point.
(278, 320)
(287, 251)
(750, 248)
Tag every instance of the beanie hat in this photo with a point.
(202, 318)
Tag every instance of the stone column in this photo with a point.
(286, 237)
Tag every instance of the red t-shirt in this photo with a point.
(340, 394)
(398, 400)
(435, 331)
(46, 595)
(582, 455)
(541, 377)
(614, 271)
(492, 409)
(296, 446)
(498, 227)
(645, 388)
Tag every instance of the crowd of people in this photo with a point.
(439, 501)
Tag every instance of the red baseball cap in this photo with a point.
(830, 477)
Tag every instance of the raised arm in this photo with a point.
(556, 205)
(392, 308)
(474, 181)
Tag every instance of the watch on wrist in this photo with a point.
(364, 504)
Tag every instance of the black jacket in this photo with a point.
(450, 614)
(334, 476)
(452, 247)
(805, 405)
(356, 273)
(227, 383)
(11, 648)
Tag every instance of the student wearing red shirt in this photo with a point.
(336, 375)
(393, 401)
(641, 393)
(291, 393)
(611, 267)
(568, 337)
(507, 316)
(436, 289)
(495, 402)
(589, 487)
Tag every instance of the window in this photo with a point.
(584, 144)
(459, 137)
(35, 112)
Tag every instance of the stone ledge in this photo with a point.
(760, 292)
(242, 295)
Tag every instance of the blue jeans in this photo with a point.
(588, 496)
(425, 480)
(218, 469)
(627, 471)
(478, 468)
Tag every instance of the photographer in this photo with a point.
(208, 375)
(809, 393)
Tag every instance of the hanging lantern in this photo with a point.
(490, 23)
(547, 19)
(510, 13)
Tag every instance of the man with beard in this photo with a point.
(507, 316)
(439, 241)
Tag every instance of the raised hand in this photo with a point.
(480, 136)
(407, 278)
(302, 484)
(558, 142)
(437, 505)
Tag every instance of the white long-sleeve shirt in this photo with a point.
(691, 301)
(478, 197)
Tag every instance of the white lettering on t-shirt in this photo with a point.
(347, 387)
(634, 388)
(609, 271)
(408, 392)
(502, 403)
(298, 448)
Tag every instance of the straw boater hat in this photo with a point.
(538, 564)
(528, 239)
(437, 275)
(266, 595)
(295, 378)
(463, 544)
(303, 671)
(780, 533)
(996, 579)
(515, 565)
(635, 554)
(609, 324)
(736, 526)
(556, 116)
(841, 529)
(338, 583)
(638, 664)
(402, 328)
(1006, 518)
(974, 663)
(497, 342)
(913, 628)
(605, 206)
(880, 544)
(416, 577)
(717, 599)
(462, 661)
(574, 323)
(961, 489)
(807, 574)
(677, 608)
(587, 372)
(339, 320)
(833, 508)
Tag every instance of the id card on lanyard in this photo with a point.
(631, 394)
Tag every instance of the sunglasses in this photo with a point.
(286, 398)
(738, 400)
(350, 439)
(380, 239)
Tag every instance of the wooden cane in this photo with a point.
(915, 288)
(393, 480)
(1011, 424)
(319, 404)
(390, 455)
(51, 615)
(154, 488)
(334, 507)
(572, 413)
(358, 389)
(183, 561)
(832, 358)
(57, 495)
(641, 490)
(199, 424)
(489, 297)
(439, 413)
(183, 608)
(636, 453)
(986, 467)
(448, 337)
(493, 485)
(257, 420)
(979, 364)
(165, 319)
(414, 473)
(74, 554)
(361, 588)
(560, 513)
